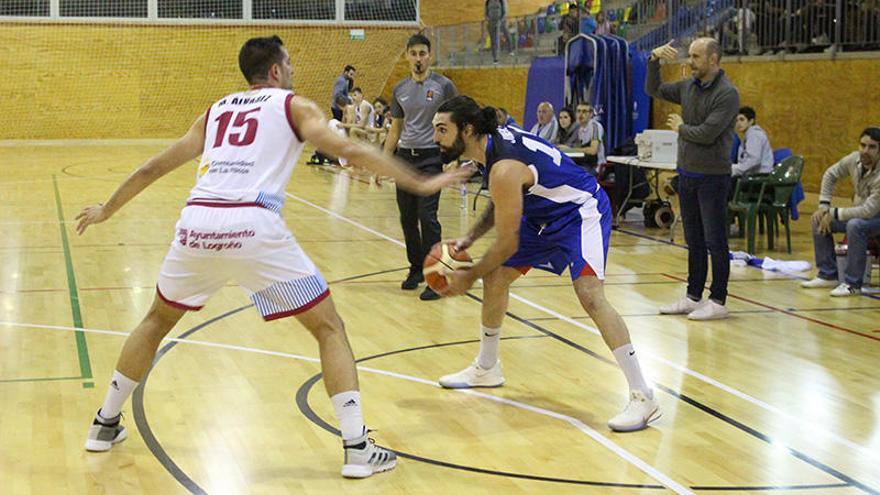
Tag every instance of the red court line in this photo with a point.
(789, 313)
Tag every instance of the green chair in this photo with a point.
(766, 197)
(775, 205)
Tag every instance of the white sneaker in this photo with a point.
(709, 310)
(819, 283)
(474, 376)
(103, 435)
(640, 411)
(681, 307)
(363, 458)
(844, 290)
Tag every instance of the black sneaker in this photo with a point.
(412, 281)
(429, 295)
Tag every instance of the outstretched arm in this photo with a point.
(183, 150)
(313, 127)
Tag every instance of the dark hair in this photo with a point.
(568, 111)
(418, 39)
(357, 89)
(748, 112)
(464, 110)
(871, 132)
(348, 68)
(381, 100)
(257, 56)
(504, 110)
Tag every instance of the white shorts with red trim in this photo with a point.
(249, 245)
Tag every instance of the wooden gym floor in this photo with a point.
(782, 398)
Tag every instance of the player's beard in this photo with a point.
(453, 153)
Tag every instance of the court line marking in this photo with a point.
(82, 348)
(682, 369)
(584, 428)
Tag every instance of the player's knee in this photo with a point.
(329, 327)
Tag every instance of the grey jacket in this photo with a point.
(708, 112)
(866, 201)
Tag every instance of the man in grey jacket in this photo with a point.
(709, 104)
(861, 221)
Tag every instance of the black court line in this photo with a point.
(304, 407)
(302, 402)
(137, 401)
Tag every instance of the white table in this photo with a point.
(656, 167)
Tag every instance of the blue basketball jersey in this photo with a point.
(561, 187)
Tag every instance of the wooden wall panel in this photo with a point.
(443, 12)
(113, 81)
(817, 108)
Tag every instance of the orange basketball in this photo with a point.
(443, 259)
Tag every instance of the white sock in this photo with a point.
(629, 364)
(489, 338)
(120, 388)
(348, 412)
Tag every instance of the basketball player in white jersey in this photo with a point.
(363, 116)
(231, 228)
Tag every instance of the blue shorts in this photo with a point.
(577, 241)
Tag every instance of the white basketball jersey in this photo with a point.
(251, 147)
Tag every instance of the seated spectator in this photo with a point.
(591, 137)
(568, 134)
(547, 126)
(754, 155)
(378, 129)
(861, 221)
(504, 118)
(362, 116)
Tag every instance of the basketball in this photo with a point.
(443, 259)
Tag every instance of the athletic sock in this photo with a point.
(629, 364)
(489, 338)
(348, 412)
(118, 392)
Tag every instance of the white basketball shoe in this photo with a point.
(640, 411)
(104, 433)
(363, 458)
(475, 376)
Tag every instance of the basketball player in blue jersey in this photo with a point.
(548, 213)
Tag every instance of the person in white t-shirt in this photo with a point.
(231, 229)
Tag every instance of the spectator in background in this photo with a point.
(341, 87)
(362, 116)
(547, 126)
(569, 26)
(568, 134)
(504, 118)
(588, 24)
(754, 155)
(591, 136)
(496, 23)
(860, 221)
(603, 25)
(378, 128)
(709, 104)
